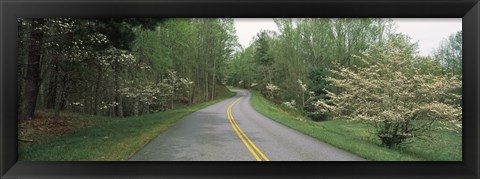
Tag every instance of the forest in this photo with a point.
(323, 69)
(121, 67)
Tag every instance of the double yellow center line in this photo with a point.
(250, 145)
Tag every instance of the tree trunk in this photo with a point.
(213, 80)
(190, 95)
(118, 98)
(59, 98)
(269, 74)
(41, 95)
(33, 69)
(303, 99)
(84, 107)
(206, 80)
(173, 94)
(97, 90)
(135, 106)
(120, 106)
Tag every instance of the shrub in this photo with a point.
(398, 101)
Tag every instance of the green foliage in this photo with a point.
(317, 86)
(148, 49)
(120, 30)
(449, 54)
(120, 66)
(355, 137)
(261, 53)
(355, 50)
(263, 58)
(240, 70)
(398, 101)
(303, 46)
(317, 81)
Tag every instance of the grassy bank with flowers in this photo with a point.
(82, 137)
(358, 138)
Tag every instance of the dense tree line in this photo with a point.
(121, 67)
(357, 69)
(304, 51)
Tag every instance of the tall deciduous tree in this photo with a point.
(33, 67)
(263, 59)
(449, 54)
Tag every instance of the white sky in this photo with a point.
(427, 32)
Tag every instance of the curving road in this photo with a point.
(233, 131)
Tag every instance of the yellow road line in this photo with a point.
(239, 135)
(248, 139)
(244, 136)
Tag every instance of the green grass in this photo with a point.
(110, 138)
(356, 138)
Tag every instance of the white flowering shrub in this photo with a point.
(186, 88)
(113, 55)
(157, 96)
(399, 103)
(181, 85)
(186, 81)
(272, 90)
(148, 94)
(290, 104)
(77, 104)
(62, 39)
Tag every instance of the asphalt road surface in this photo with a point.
(233, 131)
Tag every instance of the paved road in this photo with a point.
(211, 134)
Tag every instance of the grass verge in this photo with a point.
(356, 138)
(109, 139)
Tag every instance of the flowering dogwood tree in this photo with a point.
(272, 90)
(148, 94)
(399, 103)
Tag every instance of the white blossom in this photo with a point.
(303, 86)
(385, 95)
(290, 104)
(77, 104)
(272, 87)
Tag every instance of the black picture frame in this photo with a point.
(468, 10)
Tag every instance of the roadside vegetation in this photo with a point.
(104, 139)
(99, 89)
(360, 85)
(357, 138)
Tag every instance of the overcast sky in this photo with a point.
(427, 32)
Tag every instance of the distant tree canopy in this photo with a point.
(449, 54)
(305, 50)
